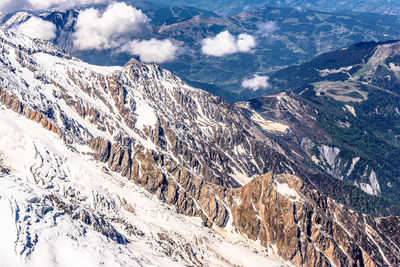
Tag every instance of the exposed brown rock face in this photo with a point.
(11, 102)
(172, 183)
(305, 228)
(309, 229)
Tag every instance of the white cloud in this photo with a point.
(116, 26)
(37, 28)
(267, 29)
(13, 5)
(255, 83)
(225, 43)
(245, 42)
(115, 29)
(153, 50)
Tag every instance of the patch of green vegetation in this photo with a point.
(367, 138)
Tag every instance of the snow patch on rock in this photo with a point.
(285, 190)
(269, 125)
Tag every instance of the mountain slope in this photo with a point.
(61, 208)
(99, 134)
(345, 118)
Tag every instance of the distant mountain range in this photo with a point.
(298, 35)
(225, 7)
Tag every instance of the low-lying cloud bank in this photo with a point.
(118, 27)
(225, 43)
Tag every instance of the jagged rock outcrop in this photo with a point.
(176, 186)
(11, 102)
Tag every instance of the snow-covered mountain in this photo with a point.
(62, 207)
(131, 166)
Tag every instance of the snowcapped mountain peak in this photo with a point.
(69, 197)
(119, 157)
(133, 61)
